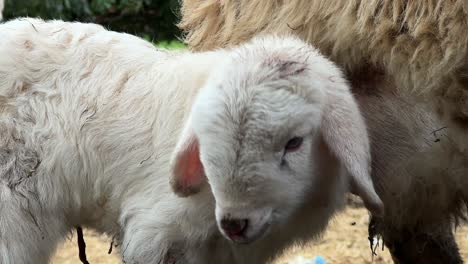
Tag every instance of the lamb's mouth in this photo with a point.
(250, 237)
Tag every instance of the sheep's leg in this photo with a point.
(431, 246)
(424, 248)
(31, 221)
(142, 242)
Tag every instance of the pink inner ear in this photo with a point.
(188, 171)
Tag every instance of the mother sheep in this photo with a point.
(418, 48)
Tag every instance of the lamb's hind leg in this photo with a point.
(421, 245)
(31, 220)
(26, 235)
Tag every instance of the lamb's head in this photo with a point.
(254, 130)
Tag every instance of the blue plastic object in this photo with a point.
(319, 260)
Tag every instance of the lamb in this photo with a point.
(94, 123)
(420, 45)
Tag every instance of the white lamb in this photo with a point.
(93, 123)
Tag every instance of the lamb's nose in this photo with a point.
(234, 228)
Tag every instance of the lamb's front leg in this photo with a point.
(172, 231)
(142, 247)
(145, 244)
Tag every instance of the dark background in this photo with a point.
(154, 20)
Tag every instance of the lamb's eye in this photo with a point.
(293, 144)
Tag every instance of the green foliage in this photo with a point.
(173, 44)
(155, 18)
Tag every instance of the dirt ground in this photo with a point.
(344, 242)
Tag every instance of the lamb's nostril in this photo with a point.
(234, 227)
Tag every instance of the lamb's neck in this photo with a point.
(143, 140)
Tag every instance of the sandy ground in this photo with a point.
(344, 242)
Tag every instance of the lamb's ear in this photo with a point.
(188, 174)
(345, 133)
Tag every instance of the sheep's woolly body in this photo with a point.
(422, 45)
(418, 169)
